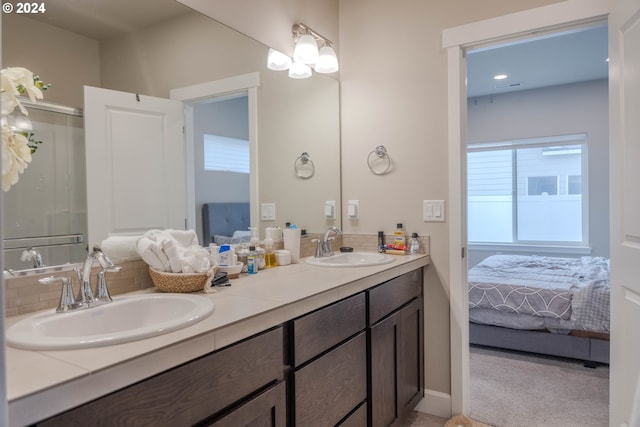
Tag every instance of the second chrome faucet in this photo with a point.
(324, 244)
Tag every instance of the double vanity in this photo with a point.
(296, 345)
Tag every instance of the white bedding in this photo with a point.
(566, 293)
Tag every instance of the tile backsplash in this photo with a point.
(25, 294)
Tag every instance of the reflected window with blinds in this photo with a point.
(226, 154)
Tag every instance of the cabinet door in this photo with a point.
(384, 371)
(268, 409)
(331, 386)
(397, 364)
(411, 351)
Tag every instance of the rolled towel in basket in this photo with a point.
(120, 246)
(151, 252)
(196, 259)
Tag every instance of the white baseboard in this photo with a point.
(435, 403)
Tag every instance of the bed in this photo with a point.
(547, 305)
(225, 223)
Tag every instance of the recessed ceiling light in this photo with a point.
(500, 76)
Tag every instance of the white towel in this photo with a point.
(196, 259)
(151, 252)
(120, 246)
(175, 251)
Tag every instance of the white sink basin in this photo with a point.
(351, 259)
(127, 318)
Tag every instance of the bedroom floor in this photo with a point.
(513, 389)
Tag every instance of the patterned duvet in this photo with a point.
(573, 291)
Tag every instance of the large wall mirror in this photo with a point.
(151, 47)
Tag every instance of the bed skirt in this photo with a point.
(574, 346)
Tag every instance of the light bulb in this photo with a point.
(306, 50)
(327, 61)
(299, 70)
(278, 61)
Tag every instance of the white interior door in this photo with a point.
(624, 105)
(135, 151)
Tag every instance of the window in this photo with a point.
(226, 154)
(528, 191)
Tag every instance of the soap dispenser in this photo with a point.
(270, 256)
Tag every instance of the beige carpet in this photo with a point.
(510, 389)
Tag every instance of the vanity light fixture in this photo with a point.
(306, 55)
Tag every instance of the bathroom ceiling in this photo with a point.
(103, 19)
(572, 56)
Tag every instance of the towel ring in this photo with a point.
(303, 166)
(380, 154)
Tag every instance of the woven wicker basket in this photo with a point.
(180, 282)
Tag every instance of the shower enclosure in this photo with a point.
(45, 213)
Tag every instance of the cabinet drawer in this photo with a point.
(330, 387)
(391, 295)
(268, 409)
(357, 419)
(191, 392)
(319, 331)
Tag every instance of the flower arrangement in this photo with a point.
(17, 146)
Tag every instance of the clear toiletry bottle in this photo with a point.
(252, 261)
(270, 256)
(414, 244)
(399, 238)
(243, 253)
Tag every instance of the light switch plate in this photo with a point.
(433, 210)
(353, 209)
(268, 211)
(330, 209)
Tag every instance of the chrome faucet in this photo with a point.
(67, 301)
(86, 296)
(324, 245)
(33, 255)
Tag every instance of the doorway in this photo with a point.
(537, 204)
(456, 41)
(222, 157)
(220, 90)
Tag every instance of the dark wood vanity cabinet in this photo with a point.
(356, 362)
(244, 381)
(396, 327)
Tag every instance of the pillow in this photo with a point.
(241, 236)
(221, 240)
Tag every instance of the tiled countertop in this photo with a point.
(44, 383)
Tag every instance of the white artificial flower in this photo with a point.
(16, 155)
(12, 78)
